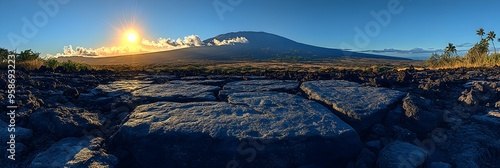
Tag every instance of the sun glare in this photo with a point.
(131, 37)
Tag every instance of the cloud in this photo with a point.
(465, 45)
(169, 44)
(411, 51)
(103, 51)
(161, 44)
(228, 42)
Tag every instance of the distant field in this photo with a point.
(249, 66)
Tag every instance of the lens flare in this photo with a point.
(132, 37)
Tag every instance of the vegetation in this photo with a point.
(478, 56)
(31, 60)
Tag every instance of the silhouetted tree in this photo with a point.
(480, 32)
(491, 37)
(451, 49)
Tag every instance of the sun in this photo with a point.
(131, 37)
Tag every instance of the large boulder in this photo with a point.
(75, 152)
(419, 116)
(252, 130)
(359, 106)
(258, 86)
(401, 154)
(65, 121)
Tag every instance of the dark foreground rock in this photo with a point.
(359, 106)
(75, 152)
(252, 130)
(419, 116)
(401, 154)
(64, 122)
(490, 119)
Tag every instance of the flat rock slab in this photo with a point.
(177, 92)
(117, 88)
(258, 86)
(202, 82)
(252, 130)
(194, 78)
(359, 106)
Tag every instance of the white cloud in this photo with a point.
(103, 51)
(230, 41)
(162, 44)
(169, 44)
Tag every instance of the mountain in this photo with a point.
(260, 46)
(264, 45)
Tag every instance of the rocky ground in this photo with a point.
(445, 118)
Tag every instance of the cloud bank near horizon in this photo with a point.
(161, 44)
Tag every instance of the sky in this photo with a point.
(406, 28)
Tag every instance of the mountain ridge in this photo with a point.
(260, 46)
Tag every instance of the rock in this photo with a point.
(258, 86)
(177, 92)
(21, 150)
(492, 118)
(74, 152)
(419, 117)
(403, 134)
(181, 92)
(473, 146)
(439, 165)
(439, 135)
(376, 132)
(361, 107)
(374, 145)
(64, 121)
(401, 154)
(254, 129)
(119, 86)
(193, 78)
(71, 93)
(200, 82)
(22, 134)
(480, 93)
(366, 159)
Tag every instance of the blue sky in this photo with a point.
(417, 25)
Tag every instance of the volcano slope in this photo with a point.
(429, 118)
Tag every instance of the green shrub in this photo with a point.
(74, 66)
(52, 63)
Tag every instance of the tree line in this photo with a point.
(477, 56)
(26, 55)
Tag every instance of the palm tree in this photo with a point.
(480, 32)
(491, 37)
(450, 49)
